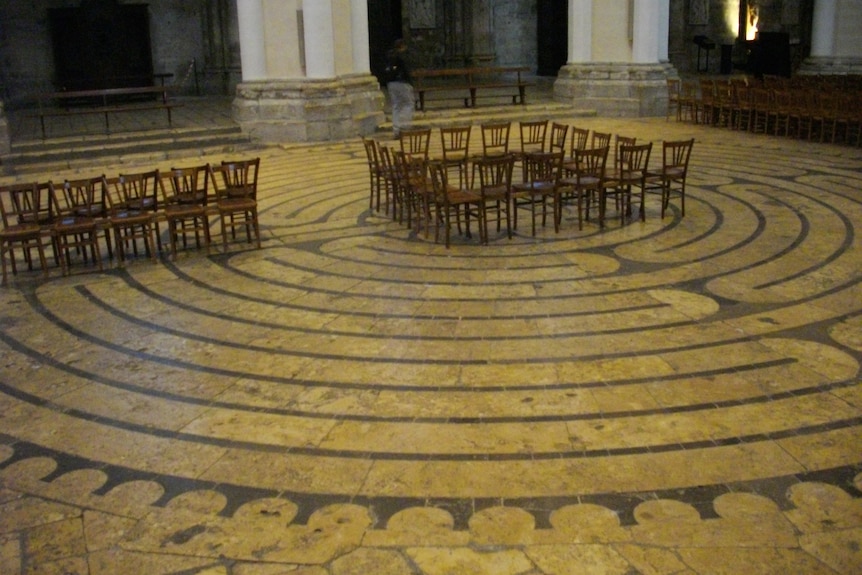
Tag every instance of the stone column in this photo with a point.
(823, 29)
(617, 57)
(835, 48)
(253, 54)
(314, 85)
(361, 42)
(5, 139)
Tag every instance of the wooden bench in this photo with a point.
(106, 102)
(465, 83)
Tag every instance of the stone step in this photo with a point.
(126, 149)
(515, 113)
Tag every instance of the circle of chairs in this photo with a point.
(549, 166)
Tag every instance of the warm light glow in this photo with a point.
(753, 17)
(731, 17)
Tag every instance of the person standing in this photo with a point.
(400, 87)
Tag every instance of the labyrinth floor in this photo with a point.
(676, 396)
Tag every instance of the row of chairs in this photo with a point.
(555, 164)
(72, 216)
(820, 110)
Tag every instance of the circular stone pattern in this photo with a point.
(355, 359)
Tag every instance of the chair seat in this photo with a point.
(235, 204)
(534, 187)
(130, 217)
(584, 181)
(463, 196)
(140, 204)
(673, 173)
(184, 210)
(20, 232)
(190, 198)
(75, 224)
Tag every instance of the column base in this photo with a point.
(616, 90)
(309, 110)
(830, 66)
(5, 140)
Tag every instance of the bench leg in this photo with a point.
(107, 124)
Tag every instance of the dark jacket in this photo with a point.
(396, 69)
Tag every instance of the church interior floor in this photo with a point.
(677, 396)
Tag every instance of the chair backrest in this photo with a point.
(635, 158)
(495, 174)
(675, 155)
(578, 140)
(372, 154)
(23, 204)
(141, 187)
(674, 86)
(591, 163)
(619, 142)
(455, 141)
(600, 140)
(543, 167)
(533, 135)
(415, 142)
(495, 138)
(189, 185)
(558, 135)
(85, 196)
(240, 177)
(439, 182)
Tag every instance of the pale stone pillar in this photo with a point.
(618, 61)
(823, 28)
(361, 41)
(580, 30)
(319, 39)
(5, 140)
(251, 38)
(835, 48)
(310, 81)
(645, 31)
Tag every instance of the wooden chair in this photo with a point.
(706, 101)
(235, 188)
(761, 101)
(22, 209)
(689, 102)
(578, 140)
(675, 157)
(632, 172)
(244, 174)
(417, 190)
(584, 179)
(495, 189)
(129, 224)
(415, 142)
(141, 190)
(600, 140)
(455, 143)
(375, 173)
(495, 142)
(449, 201)
(75, 227)
(542, 174)
(557, 137)
(674, 88)
(185, 197)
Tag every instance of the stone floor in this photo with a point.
(680, 396)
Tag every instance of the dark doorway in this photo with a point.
(101, 44)
(552, 19)
(384, 27)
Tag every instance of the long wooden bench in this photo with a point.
(106, 102)
(465, 84)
